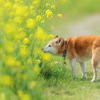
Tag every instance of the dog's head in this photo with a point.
(55, 46)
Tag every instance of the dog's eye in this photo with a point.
(49, 45)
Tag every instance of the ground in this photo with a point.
(83, 26)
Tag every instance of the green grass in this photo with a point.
(76, 89)
(65, 87)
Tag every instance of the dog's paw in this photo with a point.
(93, 80)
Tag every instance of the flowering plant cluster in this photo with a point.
(24, 26)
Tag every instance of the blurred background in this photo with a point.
(26, 73)
(80, 17)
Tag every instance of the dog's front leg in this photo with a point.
(73, 66)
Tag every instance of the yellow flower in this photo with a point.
(30, 61)
(31, 7)
(46, 57)
(49, 13)
(17, 19)
(21, 2)
(7, 80)
(36, 2)
(56, 62)
(10, 49)
(47, 4)
(1, 2)
(40, 34)
(10, 61)
(36, 69)
(20, 30)
(38, 61)
(42, 21)
(9, 46)
(31, 35)
(20, 35)
(23, 96)
(21, 11)
(59, 15)
(32, 84)
(26, 97)
(18, 1)
(1, 14)
(26, 41)
(50, 36)
(38, 18)
(7, 5)
(53, 6)
(20, 93)
(10, 28)
(31, 23)
(38, 51)
(24, 51)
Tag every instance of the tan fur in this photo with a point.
(80, 49)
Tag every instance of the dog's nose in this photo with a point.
(43, 50)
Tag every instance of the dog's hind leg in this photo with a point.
(95, 63)
(73, 66)
(83, 68)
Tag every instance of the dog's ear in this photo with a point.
(56, 36)
(59, 41)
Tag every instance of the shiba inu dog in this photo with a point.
(78, 49)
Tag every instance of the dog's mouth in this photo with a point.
(47, 52)
(51, 52)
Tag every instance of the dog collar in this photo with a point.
(65, 50)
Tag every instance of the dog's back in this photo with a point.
(83, 45)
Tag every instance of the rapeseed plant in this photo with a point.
(24, 51)
(24, 29)
(36, 69)
(46, 57)
(59, 15)
(31, 23)
(10, 61)
(26, 41)
(53, 6)
(47, 4)
(32, 84)
(39, 18)
(7, 80)
(49, 13)
(38, 60)
(40, 34)
(23, 96)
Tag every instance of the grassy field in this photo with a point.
(64, 86)
(26, 73)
